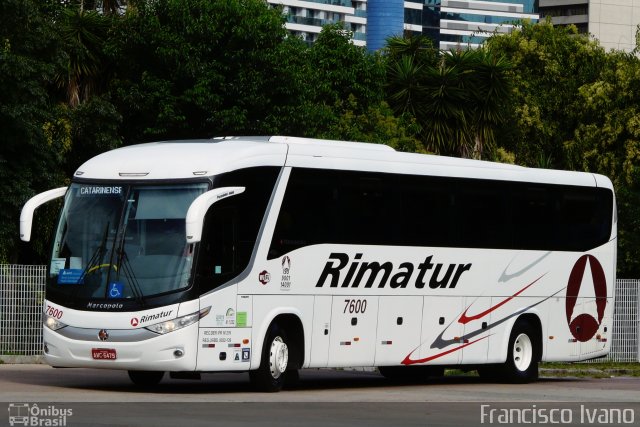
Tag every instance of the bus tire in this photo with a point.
(271, 374)
(522, 355)
(146, 378)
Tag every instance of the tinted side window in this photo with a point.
(585, 218)
(327, 206)
(481, 215)
(534, 212)
(426, 204)
(231, 226)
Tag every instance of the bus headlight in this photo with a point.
(52, 323)
(179, 323)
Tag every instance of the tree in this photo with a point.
(377, 125)
(29, 160)
(199, 68)
(458, 97)
(338, 77)
(83, 33)
(576, 107)
(606, 140)
(549, 65)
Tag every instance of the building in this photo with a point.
(466, 23)
(450, 23)
(306, 18)
(612, 22)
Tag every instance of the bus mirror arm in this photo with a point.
(199, 208)
(26, 216)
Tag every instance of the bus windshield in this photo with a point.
(122, 242)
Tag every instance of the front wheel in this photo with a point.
(522, 359)
(146, 378)
(270, 376)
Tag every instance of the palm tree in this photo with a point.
(445, 118)
(83, 33)
(457, 97)
(492, 87)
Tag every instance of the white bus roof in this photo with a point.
(207, 157)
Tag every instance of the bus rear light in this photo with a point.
(245, 341)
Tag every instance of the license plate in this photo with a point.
(103, 353)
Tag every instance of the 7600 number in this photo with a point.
(53, 312)
(355, 306)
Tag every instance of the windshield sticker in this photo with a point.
(75, 262)
(57, 264)
(115, 290)
(100, 191)
(70, 276)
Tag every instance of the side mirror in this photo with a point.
(26, 216)
(199, 208)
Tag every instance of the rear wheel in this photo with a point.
(146, 378)
(271, 374)
(523, 354)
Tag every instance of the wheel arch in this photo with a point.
(290, 320)
(533, 318)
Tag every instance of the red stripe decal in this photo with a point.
(409, 361)
(464, 319)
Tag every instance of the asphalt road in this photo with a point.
(86, 397)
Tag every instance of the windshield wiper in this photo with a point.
(124, 264)
(97, 255)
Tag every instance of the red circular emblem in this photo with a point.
(134, 321)
(585, 326)
(264, 277)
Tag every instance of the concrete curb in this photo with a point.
(22, 359)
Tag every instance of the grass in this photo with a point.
(582, 370)
(593, 370)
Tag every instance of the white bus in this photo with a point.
(272, 254)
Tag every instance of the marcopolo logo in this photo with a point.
(584, 326)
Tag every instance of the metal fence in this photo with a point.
(626, 319)
(22, 296)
